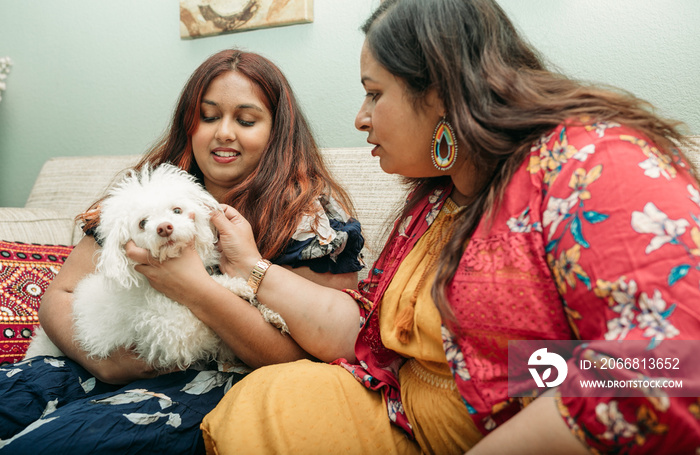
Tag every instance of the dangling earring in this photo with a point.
(444, 146)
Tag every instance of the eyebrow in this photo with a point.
(240, 106)
(365, 79)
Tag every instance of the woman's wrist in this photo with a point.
(243, 267)
(240, 266)
(257, 274)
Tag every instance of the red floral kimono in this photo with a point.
(597, 238)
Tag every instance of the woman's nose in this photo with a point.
(362, 119)
(225, 132)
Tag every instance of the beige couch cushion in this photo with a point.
(375, 194)
(693, 152)
(69, 185)
(73, 183)
(32, 225)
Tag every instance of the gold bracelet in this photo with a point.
(258, 273)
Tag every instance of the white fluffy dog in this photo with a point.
(161, 210)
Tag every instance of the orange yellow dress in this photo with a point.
(307, 407)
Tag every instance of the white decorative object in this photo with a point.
(5, 64)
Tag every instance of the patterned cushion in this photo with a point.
(25, 272)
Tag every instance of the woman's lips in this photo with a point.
(225, 155)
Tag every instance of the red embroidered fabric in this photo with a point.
(503, 291)
(25, 272)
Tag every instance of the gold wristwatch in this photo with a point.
(258, 273)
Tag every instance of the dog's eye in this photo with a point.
(142, 224)
(177, 210)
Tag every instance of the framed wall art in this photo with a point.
(199, 18)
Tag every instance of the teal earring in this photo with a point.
(444, 147)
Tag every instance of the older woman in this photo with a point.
(542, 209)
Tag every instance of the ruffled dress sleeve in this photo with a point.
(327, 241)
(621, 224)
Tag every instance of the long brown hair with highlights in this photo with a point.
(291, 174)
(498, 94)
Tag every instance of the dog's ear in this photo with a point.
(113, 261)
(206, 235)
(207, 200)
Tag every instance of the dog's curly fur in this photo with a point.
(162, 210)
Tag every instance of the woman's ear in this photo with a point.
(434, 103)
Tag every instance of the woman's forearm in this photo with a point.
(241, 326)
(323, 321)
(537, 429)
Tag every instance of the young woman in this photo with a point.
(542, 209)
(237, 128)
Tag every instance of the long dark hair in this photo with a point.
(498, 94)
(292, 175)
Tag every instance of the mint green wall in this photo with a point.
(97, 77)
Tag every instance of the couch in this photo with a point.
(67, 186)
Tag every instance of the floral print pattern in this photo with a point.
(624, 433)
(582, 221)
(144, 410)
(602, 235)
(522, 223)
(455, 357)
(654, 221)
(328, 240)
(657, 164)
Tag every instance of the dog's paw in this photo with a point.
(240, 287)
(272, 317)
(237, 285)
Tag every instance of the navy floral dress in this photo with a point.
(53, 405)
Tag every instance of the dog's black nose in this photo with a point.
(165, 229)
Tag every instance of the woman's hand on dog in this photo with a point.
(178, 278)
(239, 253)
(183, 278)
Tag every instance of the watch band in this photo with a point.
(258, 273)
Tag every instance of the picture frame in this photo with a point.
(201, 18)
